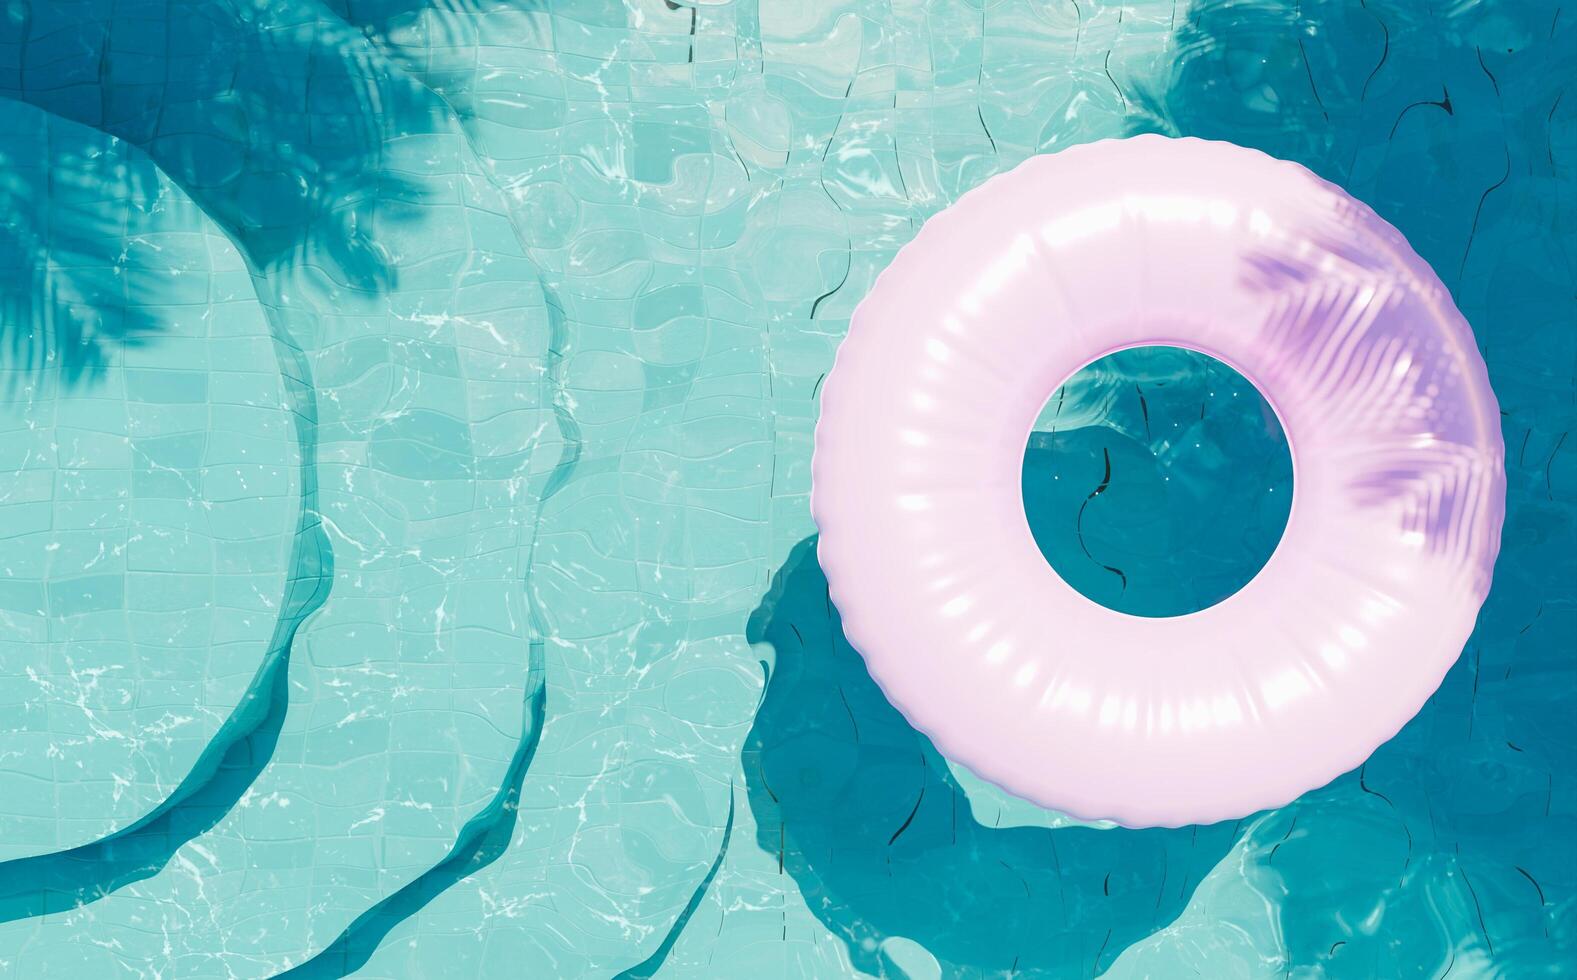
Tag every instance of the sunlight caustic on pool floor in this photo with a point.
(553, 289)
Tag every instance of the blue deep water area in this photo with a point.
(1176, 471)
(406, 567)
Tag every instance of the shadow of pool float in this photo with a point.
(878, 834)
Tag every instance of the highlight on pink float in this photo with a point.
(1398, 471)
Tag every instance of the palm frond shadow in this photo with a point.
(70, 292)
(278, 127)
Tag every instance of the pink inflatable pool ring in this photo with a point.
(1399, 484)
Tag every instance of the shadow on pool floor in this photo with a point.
(869, 821)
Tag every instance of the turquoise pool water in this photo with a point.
(1176, 473)
(407, 420)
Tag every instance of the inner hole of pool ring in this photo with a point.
(1157, 481)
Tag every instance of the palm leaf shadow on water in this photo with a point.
(1446, 851)
(276, 130)
(272, 123)
(65, 237)
(865, 815)
(376, 17)
(65, 303)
